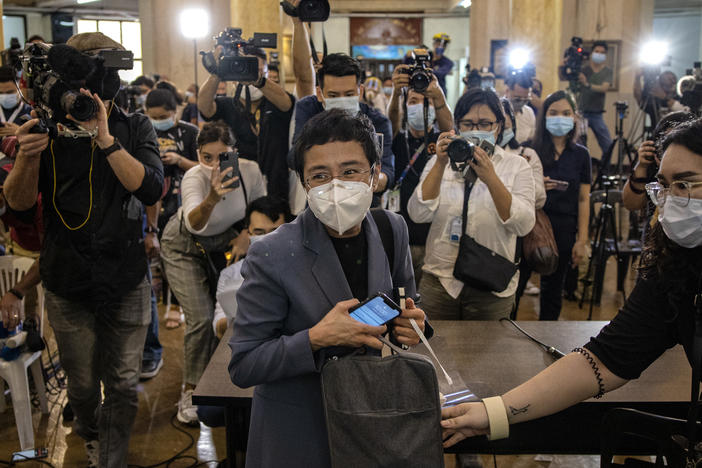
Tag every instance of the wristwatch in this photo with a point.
(116, 146)
(152, 230)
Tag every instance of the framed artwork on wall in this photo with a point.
(498, 58)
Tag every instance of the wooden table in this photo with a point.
(491, 358)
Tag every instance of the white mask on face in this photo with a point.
(255, 238)
(682, 224)
(9, 101)
(415, 116)
(256, 94)
(347, 103)
(340, 205)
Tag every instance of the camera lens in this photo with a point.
(460, 150)
(79, 106)
(420, 81)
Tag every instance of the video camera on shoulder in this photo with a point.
(233, 65)
(574, 57)
(54, 76)
(420, 73)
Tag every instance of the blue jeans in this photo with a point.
(152, 347)
(595, 121)
(102, 342)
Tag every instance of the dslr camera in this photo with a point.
(420, 73)
(308, 10)
(690, 88)
(233, 66)
(574, 57)
(461, 151)
(54, 76)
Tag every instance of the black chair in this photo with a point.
(625, 427)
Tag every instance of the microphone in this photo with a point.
(69, 63)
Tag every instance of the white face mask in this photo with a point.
(255, 238)
(415, 117)
(347, 103)
(256, 94)
(682, 224)
(9, 101)
(340, 205)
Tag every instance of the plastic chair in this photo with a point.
(12, 269)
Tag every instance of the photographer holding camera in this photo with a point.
(519, 94)
(595, 80)
(498, 189)
(259, 114)
(340, 87)
(658, 95)
(93, 261)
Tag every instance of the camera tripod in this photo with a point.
(600, 250)
(623, 149)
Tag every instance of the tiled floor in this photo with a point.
(154, 439)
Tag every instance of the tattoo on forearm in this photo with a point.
(516, 411)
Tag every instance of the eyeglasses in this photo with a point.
(349, 175)
(680, 189)
(483, 125)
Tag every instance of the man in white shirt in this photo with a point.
(263, 216)
(519, 94)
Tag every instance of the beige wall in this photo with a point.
(546, 26)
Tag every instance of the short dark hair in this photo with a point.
(477, 96)
(172, 89)
(600, 44)
(143, 80)
(339, 65)
(161, 98)
(521, 79)
(669, 122)
(335, 125)
(687, 134)
(271, 206)
(36, 37)
(7, 73)
(507, 106)
(213, 132)
(273, 67)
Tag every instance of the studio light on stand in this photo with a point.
(518, 58)
(194, 24)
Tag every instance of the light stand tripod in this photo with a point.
(623, 149)
(598, 260)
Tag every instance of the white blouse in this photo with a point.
(538, 172)
(484, 223)
(231, 208)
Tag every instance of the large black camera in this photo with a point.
(308, 10)
(233, 66)
(460, 151)
(574, 57)
(54, 76)
(420, 73)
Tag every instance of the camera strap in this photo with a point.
(324, 45)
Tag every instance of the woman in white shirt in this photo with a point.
(194, 241)
(500, 208)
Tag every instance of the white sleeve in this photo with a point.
(521, 213)
(230, 281)
(255, 186)
(538, 173)
(420, 210)
(193, 191)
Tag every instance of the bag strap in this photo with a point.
(386, 235)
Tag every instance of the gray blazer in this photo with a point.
(292, 278)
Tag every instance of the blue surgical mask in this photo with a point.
(387, 90)
(415, 117)
(439, 51)
(163, 125)
(480, 135)
(507, 136)
(9, 101)
(558, 125)
(347, 103)
(598, 57)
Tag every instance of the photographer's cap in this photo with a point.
(93, 42)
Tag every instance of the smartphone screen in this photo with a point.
(561, 185)
(226, 160)
(376, 311)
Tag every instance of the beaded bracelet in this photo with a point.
(595, 368)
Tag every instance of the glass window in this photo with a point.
(111, 29)
(130, 75)
(84, 26)
(13, 26)
(131, 37)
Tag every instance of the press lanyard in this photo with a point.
(13, 116)
(413, 159)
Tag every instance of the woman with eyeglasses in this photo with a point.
(567, 177)
(658, 314)
(500, 208)
(195, 240)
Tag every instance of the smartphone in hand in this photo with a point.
(376, 311)
(561, 185)
(226, 160)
